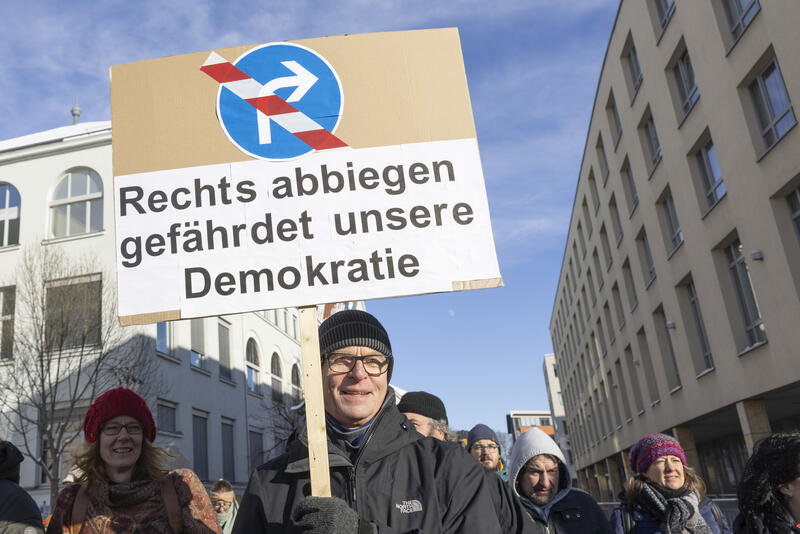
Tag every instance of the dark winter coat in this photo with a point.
(576, 513)
(647, 523)
(398, 480)
(767, 523)
(18, 511)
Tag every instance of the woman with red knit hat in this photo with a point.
(124, 486)
(665, 496)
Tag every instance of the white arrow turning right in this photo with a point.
(302, 80)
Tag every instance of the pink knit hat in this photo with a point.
(652, 447)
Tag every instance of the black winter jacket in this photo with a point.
(400, 481)
(18, 511)
(576, 513)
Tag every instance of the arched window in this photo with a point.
(253, 365)
(296, 389)
(77, 206)
(9, 215)
(275, 369)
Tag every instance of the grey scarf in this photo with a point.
(678, 510)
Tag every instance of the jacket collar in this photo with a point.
(388, 432)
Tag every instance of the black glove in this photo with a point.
(329, 515)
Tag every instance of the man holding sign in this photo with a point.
(385, 477)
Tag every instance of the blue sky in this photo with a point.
(532, 67)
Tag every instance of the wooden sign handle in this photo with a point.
(315, 406)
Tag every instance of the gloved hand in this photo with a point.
(329, 515)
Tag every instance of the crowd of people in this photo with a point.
(394, 468)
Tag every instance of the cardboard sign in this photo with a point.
(297, 173)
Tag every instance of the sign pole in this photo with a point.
(315, 407)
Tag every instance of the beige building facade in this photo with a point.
(678, 302)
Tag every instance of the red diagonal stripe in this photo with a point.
(224, 72)
(320, 139)
(271, 105)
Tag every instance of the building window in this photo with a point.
(698, 337)
(228, 458)
(601, 157)
(7, 295)
(77, 206)
(73, 312)
(256, 440)
(601, 339)
(606, 247)
(634, 71)
(774, 110)
(577, 260)
(286, 320)
(622, 391)
(672, 227)
(630, 287)
(651, 141)
(740, 275)
(629, 187)
(740, 13)
(253, 366)
(794, 209)
(609, 323)
(297, 390)
(664, 9)
(574, 278)
(649, 371)
(587, 218)
(613, 119)
(198, 350)
(615, 220)
(162, 337)
(200, 442)
(598, 271)
(580, 313)
(667, 350)
(277, 378)
(590, 283)
(685, 81)
(582, 241)
(630, 364)
(294, 327)
(9, 215)
(223, 334)
(646, 258)
(710, 173)
(594, 192)
(618, 305)
(166, 416)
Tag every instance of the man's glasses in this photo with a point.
(374, 364)
(112, 429)
(488, 448)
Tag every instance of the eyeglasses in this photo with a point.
(221, 506)
(113, 429)
(489, 448)
(374, 364)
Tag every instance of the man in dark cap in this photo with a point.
(483, 446)
(18, 511)
(427, 414)
(385, 478)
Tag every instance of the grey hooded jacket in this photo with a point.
(571, 511)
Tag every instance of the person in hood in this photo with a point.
(384, 476)
(483, 446)
(769, 491)
(18, 511)
(665, 496)
(538, 475)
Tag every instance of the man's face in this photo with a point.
(423, 425)
(486, 452)
(353, 397)
(538, 480)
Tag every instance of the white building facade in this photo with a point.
(226, 379)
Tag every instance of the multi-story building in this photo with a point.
(518, 421)
(556, 400)
(223, 378)
(679, 293)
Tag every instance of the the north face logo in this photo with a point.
(408, 507)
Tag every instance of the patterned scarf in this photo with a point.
(678, 510)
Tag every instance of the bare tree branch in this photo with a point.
(68, 348)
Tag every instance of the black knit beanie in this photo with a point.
(423, 403)
(354, 328)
